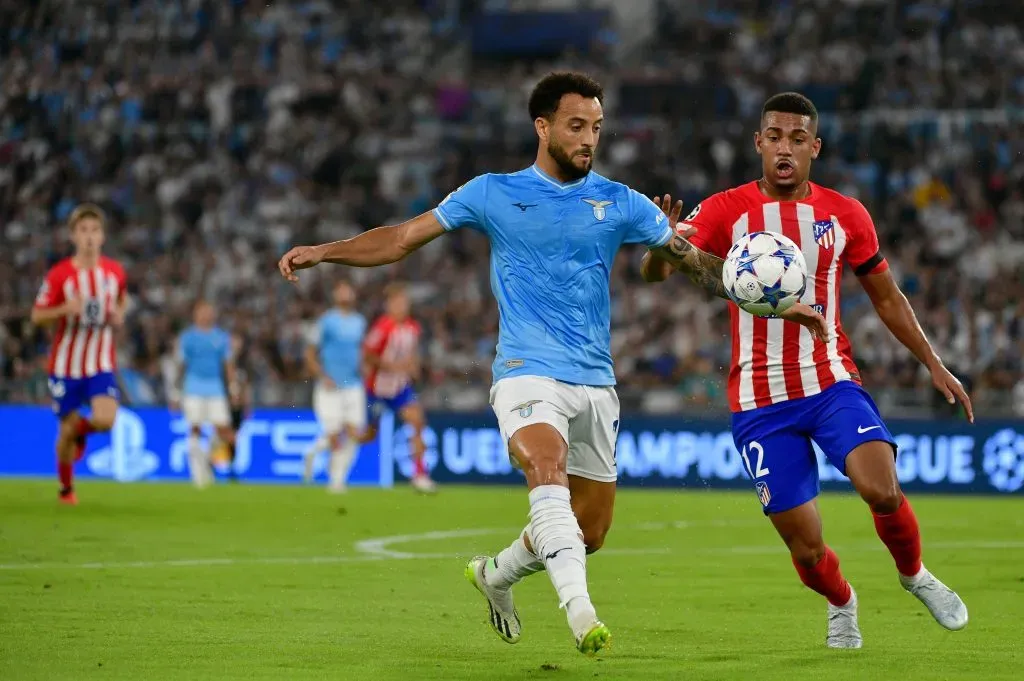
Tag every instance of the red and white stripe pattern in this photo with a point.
(393, 342)
(772, 360)
(83, 344)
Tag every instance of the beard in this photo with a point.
(565, 164)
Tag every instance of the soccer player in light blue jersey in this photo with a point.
(554, 230)
(204, 351)
(334, 357)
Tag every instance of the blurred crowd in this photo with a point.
(219, 133)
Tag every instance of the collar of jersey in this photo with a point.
(560, 185)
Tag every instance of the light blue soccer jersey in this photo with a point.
(552, 247)
(339, 338)
(203, 353)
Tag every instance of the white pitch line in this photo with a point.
(377, 549)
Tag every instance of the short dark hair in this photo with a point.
(790, 102)
(549, 91)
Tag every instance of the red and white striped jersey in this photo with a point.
(83, 345)
(392, 341)
(773, 360)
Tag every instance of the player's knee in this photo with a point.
(807, 553)
(884, 497)
(593, 536)
(334, 441)
(101, 423)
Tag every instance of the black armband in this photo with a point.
(869, 264)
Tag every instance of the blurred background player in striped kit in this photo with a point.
(335, 359)
(391, 353)
(207, 371)
(84, 295)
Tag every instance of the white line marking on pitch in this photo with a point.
(378, 549)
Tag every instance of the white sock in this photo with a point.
(512, 565)
(198, 462)
(341, 462)
(558, 542)
(310, 457)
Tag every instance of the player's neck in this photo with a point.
(547, 165)
(797, 193)
(85, 262)
(344, 309)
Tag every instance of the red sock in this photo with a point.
(84, 428)
(418, 466)
(66, 474)
(826, 579)
(900, 534)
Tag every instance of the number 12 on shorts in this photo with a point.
(757, 471)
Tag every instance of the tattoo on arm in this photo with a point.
(703, 269)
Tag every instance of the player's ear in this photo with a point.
(757, 142)
(541, 125)
(816, 148)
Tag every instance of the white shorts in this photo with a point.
(336, 408)
(586, 416)
(202, 410)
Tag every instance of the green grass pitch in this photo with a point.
(163, 582)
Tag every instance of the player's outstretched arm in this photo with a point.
(380, 246)
(895, 311)
(703, 269)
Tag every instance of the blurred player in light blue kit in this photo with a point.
(208, 376)
(554, 230)
(334, 357)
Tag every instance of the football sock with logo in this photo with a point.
(341, 462)
(558, 541)
(826, 579)
(514, 563)
(66, 475)
(901, 535)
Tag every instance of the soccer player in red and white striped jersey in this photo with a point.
(391, 352)
(84, 296)
(787, 387)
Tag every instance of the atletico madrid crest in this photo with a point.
(824, 233)
(763, 492)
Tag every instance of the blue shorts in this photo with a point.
(775, 441)
(71, 394)
(376, 405)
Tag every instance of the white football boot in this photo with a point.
(943, 603)
(502, 615)
(843, 630)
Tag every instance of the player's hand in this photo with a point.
(73, 306)
(805, 315)
(116, 318)
(299, 258)
(174, 405)
(671, 211)
(950, 386)
(327, 383)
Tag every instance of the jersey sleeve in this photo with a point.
(51, 293)
(647, 223)
(710, 219)
(376, 338)
(464, 207)
(862, 253)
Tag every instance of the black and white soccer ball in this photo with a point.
(764, 273)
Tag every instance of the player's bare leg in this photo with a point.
(74, 429)
(872, 470)
(226, 434)
(554, 534)
(818, 567)
(413, 416)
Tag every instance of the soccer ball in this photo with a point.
(764, 273)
